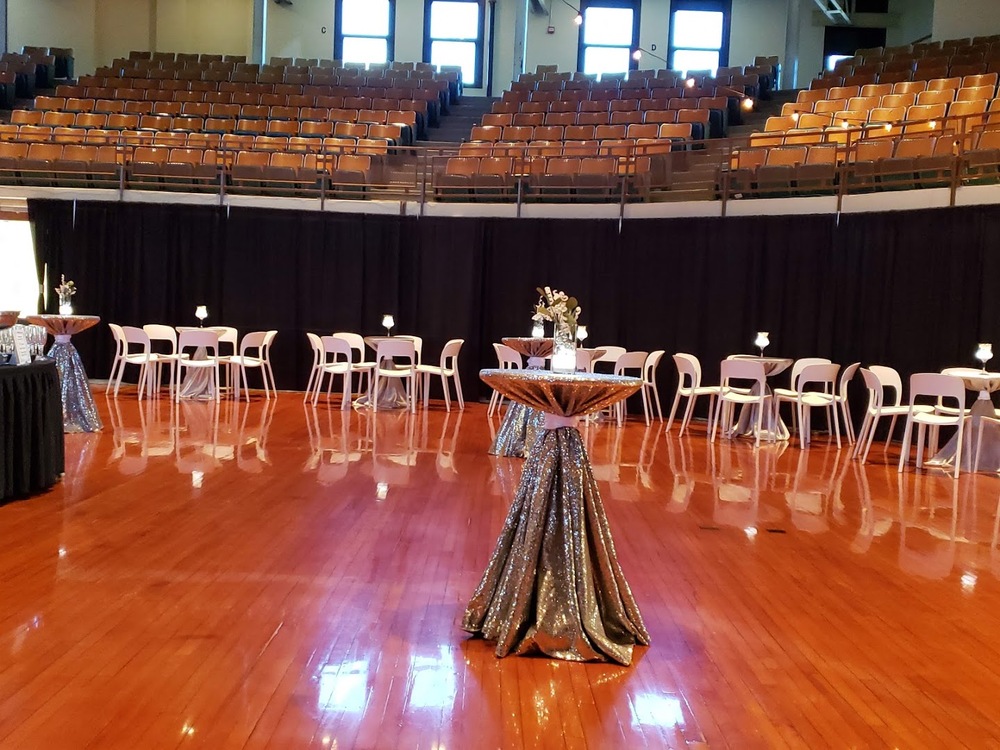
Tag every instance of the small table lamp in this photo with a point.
(761, 341)
(538, 330)
(984, 354)
(388, 322)
(201, 312)
(581, 333)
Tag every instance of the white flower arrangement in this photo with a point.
(558, 307)
(66, 289)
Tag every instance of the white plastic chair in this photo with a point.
(507, 359)
(611, 354)
(144, 359)
(846, 376)
(360, 365)
(824, 375)
(877, 379)
(168, 334)
(418, 344)
(940, 386)
(316, 344)
(689, 386)
(789, 395)
(195, 339)
(649, 382)
(335, 359)
(448, 368)
(730, 396)
(393, 350)
(625, 363)
(245, 360)
(120, 348)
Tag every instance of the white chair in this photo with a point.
(940, 386)
(731, 396)
(789, 395)
(846, 376)
(689, 386)
(316, 344)
(387, 356)
(336, 356)
(144, 359)
(258, 341)
(167, 334)
(807, 400)
(360, 365)
(120, 348)
(611, 354)
(195, 339)
(649, 382)
(418, 344)
(448, 368)
(507, 359)
(625, 363)
(877, 379)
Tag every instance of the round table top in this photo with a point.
(772, 365)
(529, 346)
(8, 318)
(566, 395)
(975, 379)
(64, 325)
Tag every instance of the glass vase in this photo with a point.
(564, 348)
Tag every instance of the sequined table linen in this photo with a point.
(79, 411)
(553, 584)
(522, 424)
(989, 457)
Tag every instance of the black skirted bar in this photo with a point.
(31, 430)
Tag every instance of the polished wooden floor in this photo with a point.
(273, 575)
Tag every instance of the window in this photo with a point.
(608, 36)
(699, 34)
(453, 35)
(363, 31)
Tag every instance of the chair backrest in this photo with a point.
(335, 347)
(507, 358)
(450, 352)
(136, 336)
(824, 374)
(119, 336)
(418, 344)
(611, 354)
(652, 362)
(202, 337)
(228, 335)
(316, 344)
(356, 342)
(937, 385)
(846, 376)
(631, 361)
(888, 378)
(875, 390)
(254, 340)
(157, 332)
(397, 346)
(689, 367)
(801, 364)
(743, 369)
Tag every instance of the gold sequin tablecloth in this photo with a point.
(553, 584)
(79, 411)
(522, 424)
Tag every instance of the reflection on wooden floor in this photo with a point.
(277, 575)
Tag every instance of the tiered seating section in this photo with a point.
(201, 121)
(565, 134)
(896, 118)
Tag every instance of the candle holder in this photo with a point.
(201, 312)
(761, 342)
(581, 333)
(984, 354)
(538, 331)
(388, 322)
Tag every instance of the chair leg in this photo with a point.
(689, 413)
(921, 437)
(892, 428)
(345, 399)
(656, 400)
(458, 389)
(444, 387)
(905, 449)
(961, 439)
(836, 424)
(715, 420)
(673, 411)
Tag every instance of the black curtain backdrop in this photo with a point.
(915, 290)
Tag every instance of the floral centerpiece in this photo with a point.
(65, 290)
(564, 312)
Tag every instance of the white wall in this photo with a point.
(219, 26)
(304, 29)
(954, 19)
(55, 23)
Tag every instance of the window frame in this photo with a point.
(725, 7)
(479, 41)
(634, 5)
(338, 33)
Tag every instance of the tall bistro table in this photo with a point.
(79, 411)
(553, 584)
(985, 383)
(521, 424)
(31, 432)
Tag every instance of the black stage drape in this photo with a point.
(911, 289)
